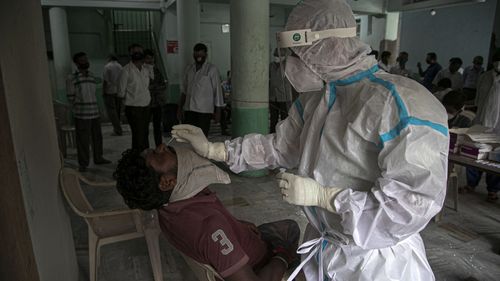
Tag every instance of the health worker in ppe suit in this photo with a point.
(370, 150)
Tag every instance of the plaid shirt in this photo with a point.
(81, 91)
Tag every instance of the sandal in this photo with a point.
(492, 197)
(465, 189)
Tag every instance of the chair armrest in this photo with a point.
(97, 184)
(96, 214)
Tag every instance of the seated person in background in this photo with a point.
(457, 117)
(443, 88)
(383, 63)
(400, 67)
(175, 181)
(452, 72)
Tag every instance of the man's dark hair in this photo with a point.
(112, 57)
(374, 53)
(404, 53)
(385, 54)
(78, 55)
(137, 183)
(200, 47)
(454, 99)
(149, 52)
(135, 45)
(444, 83)
(456, 61)
(432, 56)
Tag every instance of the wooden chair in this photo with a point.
(106, 227)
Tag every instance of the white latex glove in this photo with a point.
(194, 135)
(302, 191)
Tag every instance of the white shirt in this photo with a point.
(385, 67)
(134, 85)
(111, 75)
(456, 78)
(440, 94)
(202, 88)
(396, 69)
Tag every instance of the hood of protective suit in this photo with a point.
(194, 174)
(330, 58)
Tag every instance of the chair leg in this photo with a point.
(94, 256)
(152, 240)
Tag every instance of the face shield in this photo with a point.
(303, 78)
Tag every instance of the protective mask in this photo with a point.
(137, 56)
(278, 59)
(194, 174)
(84, 66)
(302, 78)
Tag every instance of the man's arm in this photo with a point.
(122, 83)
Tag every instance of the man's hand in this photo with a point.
(194, 136)
(303, 191)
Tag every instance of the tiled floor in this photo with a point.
(463, 245)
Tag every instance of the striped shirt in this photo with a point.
(81, 91)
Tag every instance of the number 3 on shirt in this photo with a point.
(220, 236)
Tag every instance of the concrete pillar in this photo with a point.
(250, 67)
(392, 38)
(188, 29)
(60, 47)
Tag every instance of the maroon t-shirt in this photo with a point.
(203, 229)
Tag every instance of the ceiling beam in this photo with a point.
(116, 4)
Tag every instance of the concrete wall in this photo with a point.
(372, 30)
(26, 87)
(462, 31)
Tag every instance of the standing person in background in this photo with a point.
(81, 91)
(225, 115)
(488, 115)
(201, 91)
(113, 104)
(157, 88)
(280, 90)
(134, 88)
(452, 73)
(400, 67)
(430, 73)
(470, 76)
(384, 61)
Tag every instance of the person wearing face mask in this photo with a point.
(134, 89)
(176, 182)
(430, 73)
(202, 96)
(471, 76)
(369, 152)
(400, 67)
(451, 73)
(488, 115)
(280, 91)
(81, 92)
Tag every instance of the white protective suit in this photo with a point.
(488, 100)
(381, 137)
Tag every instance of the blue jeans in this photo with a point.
(474, 176)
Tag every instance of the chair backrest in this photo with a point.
(203, 272)
(62, 113)
(69, 180)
